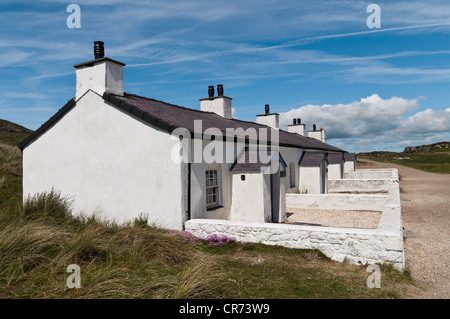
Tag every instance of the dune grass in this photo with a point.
(41, 238)
(434, 161)
(39, 241)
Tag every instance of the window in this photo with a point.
(292, 174)
(212, 188)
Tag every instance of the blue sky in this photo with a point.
(370, 89)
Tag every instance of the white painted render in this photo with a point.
(349, 167)
(315, 134)
(311, 179)
(357, 246)
(220, 105)
(372, 202)
(373, 174)
(359, 185)
(110, 163)
(291, 155)
(251, 198)
(323, 137)
(297, 128)
(335, 171)
(272, 120)
(100, 77)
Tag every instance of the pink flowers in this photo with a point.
(210, 241)
(214, 240)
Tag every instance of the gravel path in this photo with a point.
(334, 218)
(425, 203)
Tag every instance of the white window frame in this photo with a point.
(213, 187)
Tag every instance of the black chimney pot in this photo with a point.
(267, 109)
(99, 50)
(299, 121)
(314, 127)
(295, 121)
(211, 91)
(220, 90)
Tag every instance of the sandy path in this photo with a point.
(425, 200)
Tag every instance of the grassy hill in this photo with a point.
(40, 239)
(430, 158)
(11, 133)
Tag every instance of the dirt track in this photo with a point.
(425, 200)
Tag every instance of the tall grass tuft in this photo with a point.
(10, 159)
(116, 261)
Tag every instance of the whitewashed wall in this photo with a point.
(334, 171)
(357, 246)
(310, 180)
(251, 198)
(349, 167)
(109, 163)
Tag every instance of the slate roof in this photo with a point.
(349, 157)
(169, 116)
(312, 159)
(335, 158)
(250, 161)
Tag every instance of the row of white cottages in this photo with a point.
(112, 153)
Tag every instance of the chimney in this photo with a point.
(269, 119)
(297, 127)
(324, 139)
(315, 133)
(219, 104)
(99, 75)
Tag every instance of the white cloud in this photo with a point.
(374, 122)
(365, 117)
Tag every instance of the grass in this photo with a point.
(435, 161)
(40, 238)
(11, 133)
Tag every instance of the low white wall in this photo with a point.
(337, 201)
(359, 185)
(372, 174)
(357, 246)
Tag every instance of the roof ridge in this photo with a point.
(190, 109)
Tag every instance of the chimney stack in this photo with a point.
(317, 134)
(269, 119)
(220, 90)
(99, 75)
(219, 104)
(211, 91)
(297, 127)
(99, 50)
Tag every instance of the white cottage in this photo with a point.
(118, 155)
(335, 165)
(349, 162)
(313, 173)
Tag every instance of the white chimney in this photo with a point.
(219, 104)
(323, 138)
(100, 75)
(317, 134)
(297, 127)
(269, 119)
